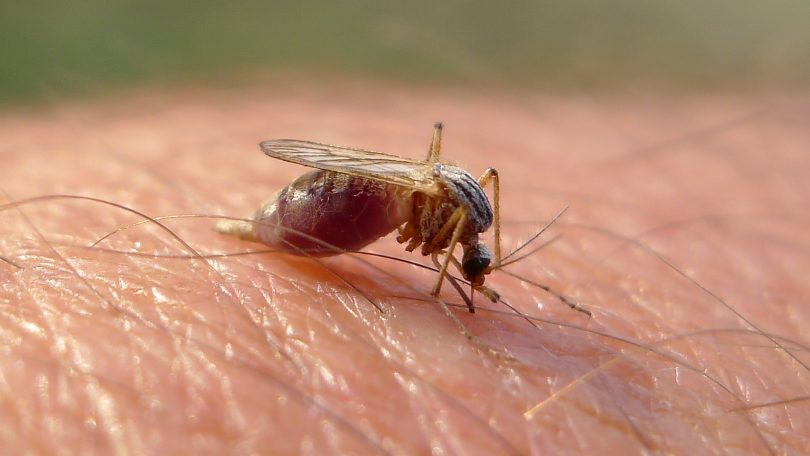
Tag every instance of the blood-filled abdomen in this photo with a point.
(325, 213)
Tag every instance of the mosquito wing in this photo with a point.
(364, 163)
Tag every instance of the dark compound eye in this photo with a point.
(475, 263)
(475, 266)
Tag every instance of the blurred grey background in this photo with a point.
(75, 48)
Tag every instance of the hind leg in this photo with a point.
(435, 144)
(492, 175)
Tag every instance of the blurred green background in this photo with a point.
(80, 47)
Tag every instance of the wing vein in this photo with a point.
(357, 162)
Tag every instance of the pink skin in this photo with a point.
(271, 353)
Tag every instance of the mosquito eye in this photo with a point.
(475, 262)
(474, 267)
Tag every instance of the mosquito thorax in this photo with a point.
(475, 262)
(465, 191)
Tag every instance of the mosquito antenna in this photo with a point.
(551, 291)
(532, 252)
(536, 235)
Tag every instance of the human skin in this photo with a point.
(686, 238)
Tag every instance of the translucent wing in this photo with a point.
(365, 163)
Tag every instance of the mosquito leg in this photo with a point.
(446, 230)
(492, 175)
(454, 282)
(477, 343)
(435, 144)
(459, 217)
(467, 300)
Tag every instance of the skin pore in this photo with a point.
(684, 238)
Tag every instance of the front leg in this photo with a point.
(457, 220)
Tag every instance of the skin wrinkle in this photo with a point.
(599, 369)
(732, 309)
(705, 218)
(394, 326)
(119, 446)
(20, 418)
(629, 420)
(264, 375)
(194, 252)
(637, 345)
(434, 388)
(103, 404)
(402, 369)
(6, 260)
(89, 286)
(632, 240)
(285, 353)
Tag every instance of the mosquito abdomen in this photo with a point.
(326, 213)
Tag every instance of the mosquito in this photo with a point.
(355, 197)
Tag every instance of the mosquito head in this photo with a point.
(475, 263)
